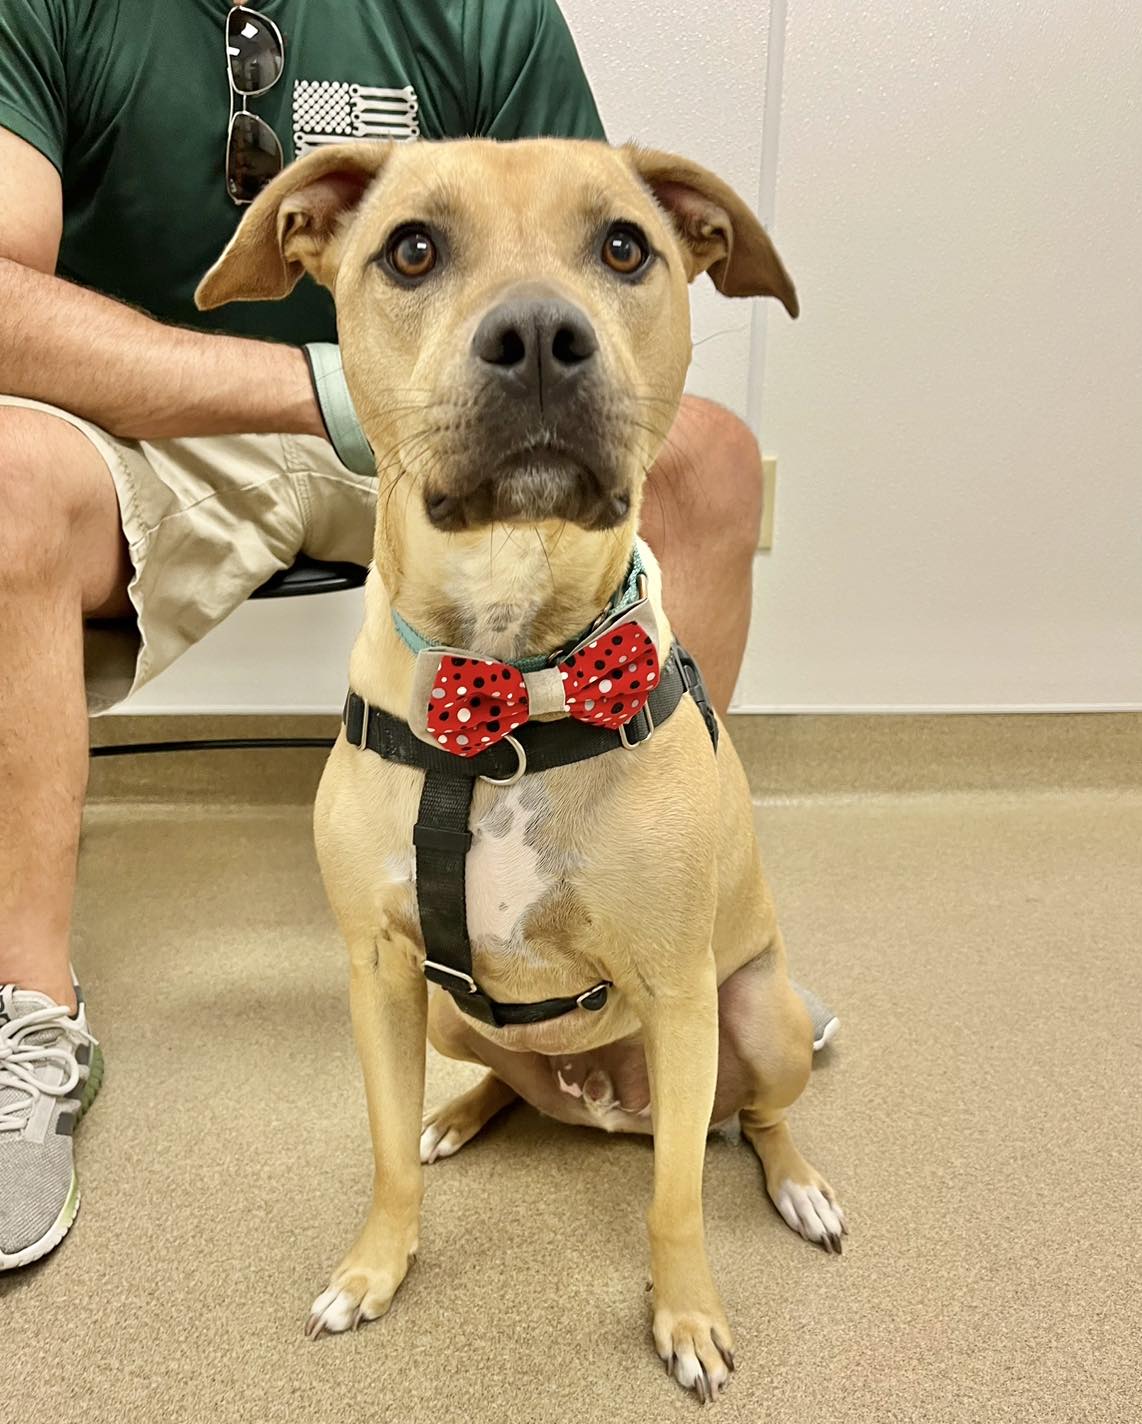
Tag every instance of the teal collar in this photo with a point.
(627, 594)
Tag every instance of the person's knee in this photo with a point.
(710, 474)
(33, 527)
(730, 472)
(46, 491)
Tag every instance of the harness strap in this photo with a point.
(442, 839)
(545, 744)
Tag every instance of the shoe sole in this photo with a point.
(70, 1209)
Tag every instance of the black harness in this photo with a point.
(442, 839)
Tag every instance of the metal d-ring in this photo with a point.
(519, 771)
(642, 741)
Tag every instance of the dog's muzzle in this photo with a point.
(541, 448)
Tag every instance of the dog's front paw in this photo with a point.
(359, 1291)
(696, 1348)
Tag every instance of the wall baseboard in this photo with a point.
(973, 709)
(784, 756)
(951, 709)
(791, 756)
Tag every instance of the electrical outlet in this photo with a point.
(769, 499)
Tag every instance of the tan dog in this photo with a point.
(514, 320)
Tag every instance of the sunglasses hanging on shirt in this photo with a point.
(255, 59)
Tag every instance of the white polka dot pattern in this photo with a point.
(609, 680)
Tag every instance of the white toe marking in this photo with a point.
(449, 1143)
(812, 1226)
(786, 1208)
(809, 1211)
(826, 1211)
(686, 1368)
(436, 1142)
(428, 1140)
(335, 1309)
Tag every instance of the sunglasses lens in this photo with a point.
(253, 157)
(254, 51)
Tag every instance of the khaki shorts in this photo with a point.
(207, 521)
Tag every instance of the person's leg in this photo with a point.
(206, 522)
(62, 555)
(701, 515)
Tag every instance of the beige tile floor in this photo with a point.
(979, 1116)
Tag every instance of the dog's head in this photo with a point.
(513, 318)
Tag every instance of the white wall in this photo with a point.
(957, 414)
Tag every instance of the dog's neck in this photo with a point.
(513, 592)
(503, 596)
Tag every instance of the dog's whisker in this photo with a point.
(725, 331)
(547, 559)
(402, 458)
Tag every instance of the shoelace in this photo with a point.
(19, 1060)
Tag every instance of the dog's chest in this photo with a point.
(516, 871)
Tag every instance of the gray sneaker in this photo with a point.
(825, 1022)
(50, 1071)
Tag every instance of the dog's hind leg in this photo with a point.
(447, 1128)
(772, 1034)
(798, 1191)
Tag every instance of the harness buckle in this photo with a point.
(442, 838)
(692, 683)
(521, 766)
(469, 984)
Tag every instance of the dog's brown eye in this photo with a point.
(624, 250)
(412, 254)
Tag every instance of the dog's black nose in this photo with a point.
(540, 344)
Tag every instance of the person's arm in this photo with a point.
(112, 365)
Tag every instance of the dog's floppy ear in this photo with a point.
(291, 225)
(718, 232)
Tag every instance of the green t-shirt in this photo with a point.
(129, 100)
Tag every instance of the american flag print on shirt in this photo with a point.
(326, 111)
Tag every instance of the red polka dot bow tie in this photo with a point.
(475, 702)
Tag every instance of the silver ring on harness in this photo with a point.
(520, 768)
(626, 741)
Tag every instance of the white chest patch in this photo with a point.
(504, 874)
